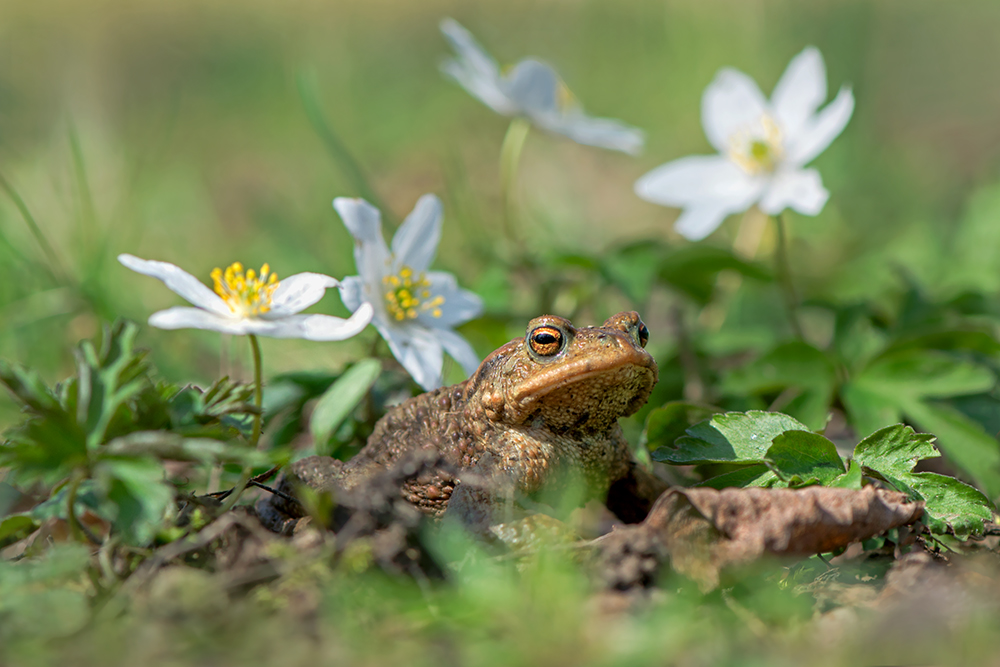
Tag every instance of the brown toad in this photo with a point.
(539, 411)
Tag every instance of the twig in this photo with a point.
(253, 481)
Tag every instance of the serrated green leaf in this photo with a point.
(802, 457)
(950, 502)
(669, 422)
(852, 479)
(795, 365)
(341, 398)
(894, 450)
(753, 475)
(974, 451)
(733, 437)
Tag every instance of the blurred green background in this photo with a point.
(176, 131)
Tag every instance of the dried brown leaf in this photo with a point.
(705, 530)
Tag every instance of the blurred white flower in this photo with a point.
(250, 303)
(763, 148)
(531, 89)
(415, 309)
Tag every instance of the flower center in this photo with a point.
(246, 294)
(565, 97)
(757, 148)
(407, 295)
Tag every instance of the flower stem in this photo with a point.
(510, 157)
(258, 401)
(784, 272)
(258, 390)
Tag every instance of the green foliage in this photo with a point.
(772, 449)
(108, 430)
(342, 398)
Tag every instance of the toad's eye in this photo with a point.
(546, 341)
(643, 334)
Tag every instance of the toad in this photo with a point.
(539, 414)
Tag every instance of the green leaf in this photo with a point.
(15, 527)
(974, 451)
(88, 497)
(669, 422)
(795, 365)
(693, 269)
(951, 502)
(901, 382)
(138, 496)
(107, 378)
(733, 437)
(753, 475)
(802, 458)
(894, 450)
(341, 398)
(852, 479)
(633, 268)
(919, 373)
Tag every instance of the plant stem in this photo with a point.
(258, 400)
(77, 529)
(510, 157)
(784, 272)
(258, 391)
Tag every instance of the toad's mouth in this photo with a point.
(614, 387)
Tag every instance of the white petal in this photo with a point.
(179, 282)
(699, 220)
(183, 317)
(298, 292)
(821, 129)
(486, 90)
(418, 350)
(459, 305)
(474, 69)
(313, 327)
(472, 55)
(800, 189)
(416, 240)
(800, 91)
(730, 102)
(352, 292)
(459, 349)
(695, 179)
(364, 222)
(601, 132)
(533, 86)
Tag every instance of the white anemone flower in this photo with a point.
(533, 90)
(415, 309)
(763, 148)
(249, 303)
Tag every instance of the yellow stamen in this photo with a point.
(408, 294)
(757, 148)
(246, 294)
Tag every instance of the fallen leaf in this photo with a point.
(702, 531)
